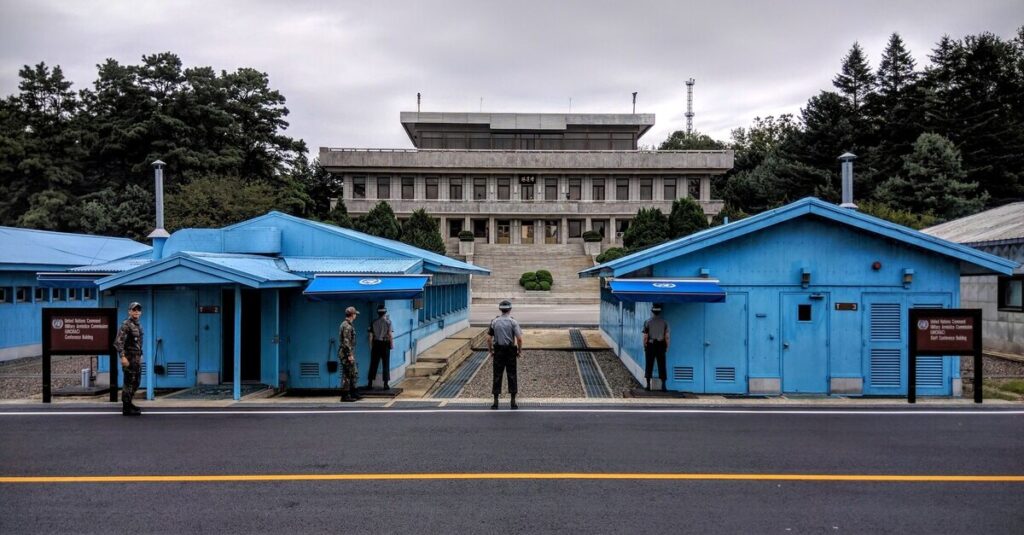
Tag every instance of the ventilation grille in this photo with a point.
(682, 373)
(885, 321)
(885, 367)
(176, 369)
(309, 369)
(142, 370)
(929, 372)
(725, 375)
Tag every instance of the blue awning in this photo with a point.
(668, 290)
(69, 280)
(366, 287)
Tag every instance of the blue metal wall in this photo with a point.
(761, 273)
(20, 320)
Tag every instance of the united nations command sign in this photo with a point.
(943, 332)
(79, 331)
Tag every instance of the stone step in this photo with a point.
(423, 369)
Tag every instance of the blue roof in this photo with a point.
(207, 268)
(972, 261)
(29, 247)
(330, 264)
(371, 288)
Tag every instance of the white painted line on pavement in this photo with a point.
(821, 412)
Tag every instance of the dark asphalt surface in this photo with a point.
(459, 442)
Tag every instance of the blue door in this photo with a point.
(725, 345)
(685, 357)
(805, 343)
(885, 340)
(177, 340)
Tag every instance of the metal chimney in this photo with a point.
(847, 174)
(159, 235)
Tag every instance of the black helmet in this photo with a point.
(505, 305)
(382, 310)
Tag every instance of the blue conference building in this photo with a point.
(809, 298)
(26, 252)
(260, 301)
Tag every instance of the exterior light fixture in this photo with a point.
(876, 265)
(705, 273)
(908, 277)
(805, 278)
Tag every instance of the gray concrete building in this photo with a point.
(999, 231)
(520, 178)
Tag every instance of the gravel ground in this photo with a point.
(542, 374)
(551, 374)
(24, 378)
(618, 377)
(992, 366)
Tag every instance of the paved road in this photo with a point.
(378, 441)
(539, 315)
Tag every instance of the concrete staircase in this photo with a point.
(508, 262)
(439, 361)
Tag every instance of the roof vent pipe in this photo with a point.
(159, 235)
(847, 174)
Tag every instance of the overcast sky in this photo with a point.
(348, 68)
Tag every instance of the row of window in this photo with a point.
(458, 187)
(528, 141)
(31, 294)
(441, 300)
(1011, 293)
(527, 228)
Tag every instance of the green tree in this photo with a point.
(649, 227)
(730, 212)
(933, 182)
(379, 221)
(686, 218)
(422, 231)
(899, 106)
(339, 216)
(895, 215)
(211, 202)
(680, 140)
(855, 80)
(763, 138)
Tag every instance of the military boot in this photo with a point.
(126, 409)
(495, 404)
(514, 405)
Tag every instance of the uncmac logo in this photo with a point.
(369, 282)
(922, 325)
(664, 285)
(57, 324)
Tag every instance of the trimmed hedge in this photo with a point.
(536, 280)
(592, 236)
(611, 254)
(545, 285)
(466, 235)
(545, 275)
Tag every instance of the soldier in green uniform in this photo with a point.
(129, 346)
(347, 356)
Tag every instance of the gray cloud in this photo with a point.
(348, 68)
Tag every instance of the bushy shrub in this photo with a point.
(532, 285)
(611, 254)
(527, 277)
(545, 275)
(545, 285)
(466, 235)
(592, 236)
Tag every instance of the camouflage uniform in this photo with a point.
(347, 348)
(129, 344)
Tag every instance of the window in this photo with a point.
(87, 294)
(5, 295)
(600, 142)
(42, 295)
(527, 142)
(646, 189)
(22, 294)
(72, 294)
(622, 141)
(432, 140)
(550, 141)
(621, 189)
(575, 189)
(456, 141)
(599, 226)
(1011, 293)
(479, 189)
(384, 187)
(408, 188)
(526, 231)
(693, 188)
(480, 228)
(803, 312)
(455, 226)
(431, 187)
(455, 188)
(479, 141)
(504, 141)
(598, 189)
(575, 141)
(550, 189)
(575, 228)
(504, 189)
(621, 225)
(551, 231)
(526, 192)
(359, 187)
(57, 294)
(670, 189)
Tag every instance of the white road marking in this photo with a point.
(334, 412)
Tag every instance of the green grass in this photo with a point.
(994, 393)
(1013, 385)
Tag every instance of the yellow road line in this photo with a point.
(516, 476)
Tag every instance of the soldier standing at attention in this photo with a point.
(656, 338)
(381, 343)
(347, 356)
(129, 345)
(504, 343)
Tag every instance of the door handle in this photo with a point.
(785, 345)
(706, 343)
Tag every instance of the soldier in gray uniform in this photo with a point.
(381, 343)
(129, 346)
(656, 339)
(504, 343)
(347, 356)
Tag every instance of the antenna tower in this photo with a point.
(689, 105)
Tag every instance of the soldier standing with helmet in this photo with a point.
(347, 356)
(129, 346)
(504, 343)
(381, 343)
(656, 338)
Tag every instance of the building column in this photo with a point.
(705, 188)
(587, 223)
(277, 340)
(492, 230)
(150, 348)
(563, 231)
(610, 233)
(443, 224)
(238, 344)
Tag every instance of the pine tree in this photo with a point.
(422, 231)
(855, 81)
(900, 111)
(379, 221)
(649, 227)
(896, 70)
(686, 218)
(338, 216)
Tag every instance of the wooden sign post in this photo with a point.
(943, 332)
(79, 331)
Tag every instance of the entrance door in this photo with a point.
(725, 345)
(250, 336)
(176, 337)
(526, 232)
(551, 231)
(504, 231)
(805, 343)
(685, 358)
